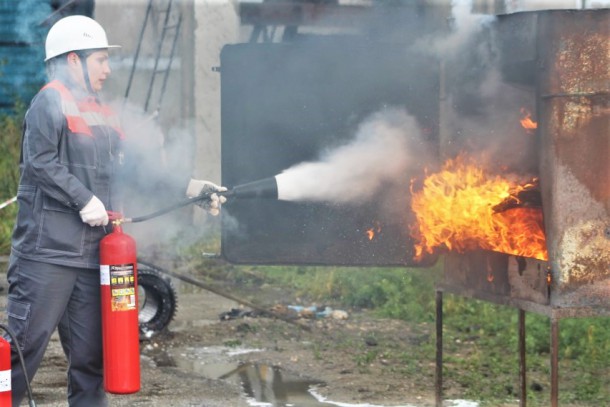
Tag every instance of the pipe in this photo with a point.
(215, 290)
(438, 379)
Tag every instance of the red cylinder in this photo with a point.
(120, 330)
(5, 373)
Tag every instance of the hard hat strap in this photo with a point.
(83, 55)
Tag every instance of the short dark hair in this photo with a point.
(54, 65)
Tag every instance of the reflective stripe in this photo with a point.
(83, 114)
(76, 123)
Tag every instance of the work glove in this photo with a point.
(197, 187)
(94, 213)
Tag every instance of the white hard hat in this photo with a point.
(75, 33)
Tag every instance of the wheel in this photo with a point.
(157, 301)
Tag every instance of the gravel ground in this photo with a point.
(162, 383)
(260, 361)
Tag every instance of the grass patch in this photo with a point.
(10, 146)
(480, 338)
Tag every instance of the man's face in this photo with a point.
(99, 69)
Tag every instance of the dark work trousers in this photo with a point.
(42, 297)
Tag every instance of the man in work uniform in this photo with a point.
(71, 149)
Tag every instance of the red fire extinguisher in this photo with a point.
(5, 373)
(120, 330)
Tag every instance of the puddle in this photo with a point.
(262, 385)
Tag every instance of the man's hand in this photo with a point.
(197, 187)
(94, 213)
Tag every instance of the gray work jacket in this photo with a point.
(69, 153)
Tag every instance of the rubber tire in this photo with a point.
(157, 301)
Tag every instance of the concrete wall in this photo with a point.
(217, 24)
(189, 110)
(183, 138)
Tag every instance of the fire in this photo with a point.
(370, 233)
(455, 209)
(527, 121)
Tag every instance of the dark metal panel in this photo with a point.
(283, 104)
(516, 40)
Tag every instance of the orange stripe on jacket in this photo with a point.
(83, 114)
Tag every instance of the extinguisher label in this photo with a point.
(104, 274)
(5, 380)
(122, 287)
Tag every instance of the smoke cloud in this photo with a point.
(385, 146)
(481, 110)
(156, 170)
(465, 27)
(388, 147)
(481, 117)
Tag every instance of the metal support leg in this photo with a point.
(554, 361)
(522, 364)
(439, 349)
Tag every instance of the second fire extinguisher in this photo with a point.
(5, 373)
(120, 330)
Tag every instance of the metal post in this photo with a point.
(160, 42)
(136, 56)
(522, 365)
(177, 28)
(439, 349)
(554, 361)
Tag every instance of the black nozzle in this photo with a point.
(264, 188)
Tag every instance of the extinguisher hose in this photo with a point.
(205, 196)
(15, 343)
(163, 211)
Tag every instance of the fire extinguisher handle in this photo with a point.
(114, 215)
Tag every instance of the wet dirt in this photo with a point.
(260, 361)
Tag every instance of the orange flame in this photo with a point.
(373, 231)
(454, 209)
(527, 121)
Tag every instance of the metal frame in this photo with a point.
(152, 12)
(554, 314)
(266, 17)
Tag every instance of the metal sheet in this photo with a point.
(574, 127)
(497, 277)
(564, 56)
(283, 104)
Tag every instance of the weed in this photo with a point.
(232, 343)
(10, 143)
(480, 338)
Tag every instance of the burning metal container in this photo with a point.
(567, 52)
(282, 104)
(563, 57)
